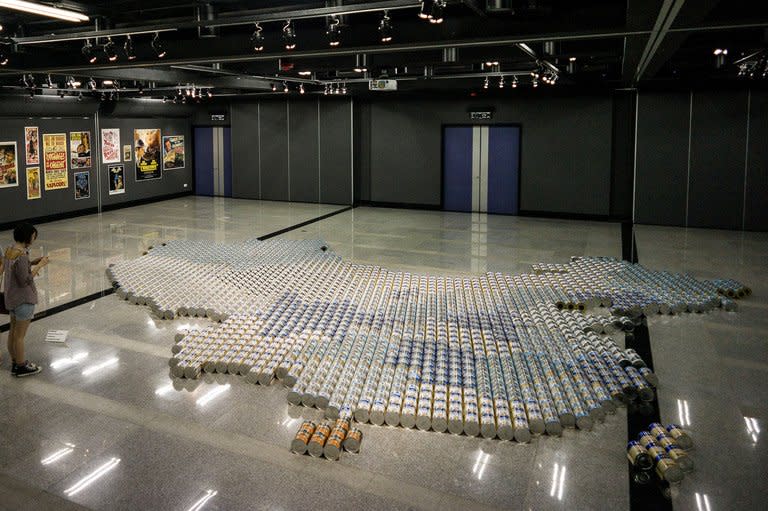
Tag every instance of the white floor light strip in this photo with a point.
(92, 477)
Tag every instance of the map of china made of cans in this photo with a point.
(495, 355)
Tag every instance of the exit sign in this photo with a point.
(218, 117)
(481, 116)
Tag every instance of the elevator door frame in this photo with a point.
(481, 125)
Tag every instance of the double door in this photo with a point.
(213, 162)
(481, 169)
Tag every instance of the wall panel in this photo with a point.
(304, 156)
(274, 151)
(246, 157)
(756, 205)
(336, 151)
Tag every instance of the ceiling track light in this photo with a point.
(130, 52)
(257, 38)
(289, 35)
(301, 88)
(109, 50)
(514, 83)
(486, 83)
(4, 60)
(425, 11)
(334, 32)
(157, 45)
(436, 16)
(285, 88)
(385, 28)
(274, 87)
(361, 63)
(501, 83)
(89, 52)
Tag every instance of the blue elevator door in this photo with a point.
(213, 162)
(457, 168)
(503, 169)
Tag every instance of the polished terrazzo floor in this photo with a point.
(107, 394)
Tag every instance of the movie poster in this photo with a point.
(9, 174)
(110, 145)
(32, 145)
(116, 179)
(173, 152)
(127, 153)
(146, 146)
(33, 183)
(82, 185)
(55, 161)
(80, 149)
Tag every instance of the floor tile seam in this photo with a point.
(235, 443)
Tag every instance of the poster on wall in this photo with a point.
(126, 153)
(82, 185)
(9, 175)
(173, 152)
(116, 179)
(55, 161)
(146, 146)
(80, 149)
(33, 183)
(110, 145)
(32, 145)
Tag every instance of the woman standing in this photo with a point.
(21, 295)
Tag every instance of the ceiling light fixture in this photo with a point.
(501, 83)
(45, 10)
(128, 48)
(285, 87)
(109, 50)
(3, 58)
(436, 16)
(514, 83)
(87, 50)
(334, 32)
(257, 38)
(385, 28)
(157, 45)
(361, 63)
(486, 83)
(289, 35)
(274, 87)
(426, 9)
(301, 88)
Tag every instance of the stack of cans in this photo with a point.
(498, 356)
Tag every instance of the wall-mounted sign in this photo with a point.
(218, 117)
(386, 85)
(481, 116)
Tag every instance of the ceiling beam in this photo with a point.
(640, 15)
(667, 14)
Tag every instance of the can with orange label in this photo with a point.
(318, 439)
(300, 441)
(353, 440)
(332, 449)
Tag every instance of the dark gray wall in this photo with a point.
(292, 150)
(699, 156)
(55, 115)
(566, 150)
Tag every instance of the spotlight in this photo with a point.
(107, 83)
(128, 48)
(327, 89)
(344, 88)
(437, 12)
(535, 83)
(385, 28)
(301, 88)
(257, 39)
(305, 73)
(3, 58)
(720, 51)
(87, 50)
(165, 99)
(486, 84)
(209, 93)
(157, 45)
(426, 9)
(514, 82)
(141, 90)
(80, 97)
(334, 32)
(361, 63)
(274, 87)
(285, 88)
(501, 83)
(289, 35)
(92, 84)
(110, 51)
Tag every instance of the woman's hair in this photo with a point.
(23, 233)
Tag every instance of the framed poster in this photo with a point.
(110, 145)
(127, 152)
(80, 149)
(82, 185)
(116, 179)
(32, 145)
(55, 161)
(9, 174)
(173, 152)
(33, 183)
(146, 146)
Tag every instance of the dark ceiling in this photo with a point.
(590, 44)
